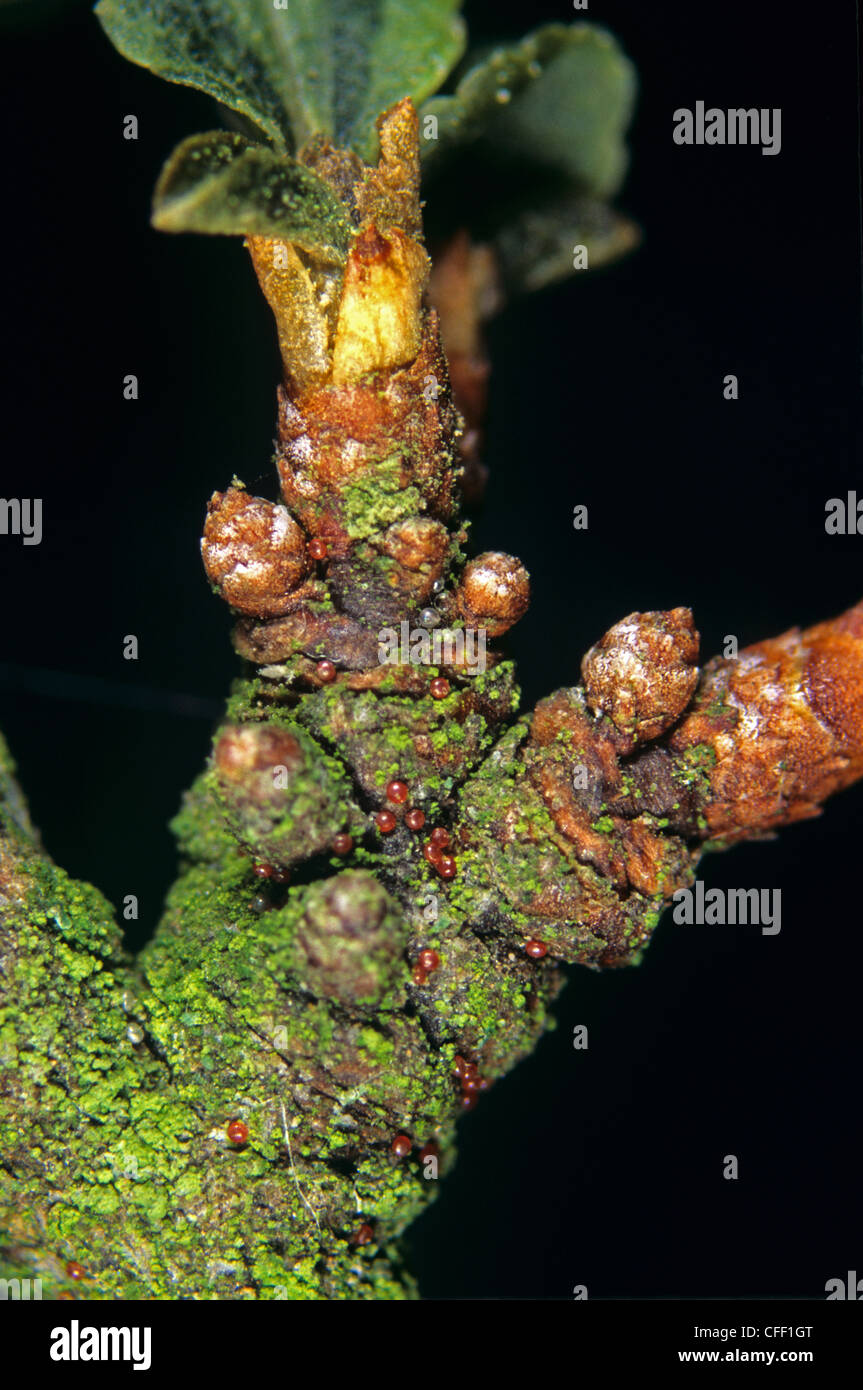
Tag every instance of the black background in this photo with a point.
(601, 1168)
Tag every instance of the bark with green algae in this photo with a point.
(117, 1088)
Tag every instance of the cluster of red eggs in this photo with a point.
(427, 961)
(433, 850)
(468, 1077)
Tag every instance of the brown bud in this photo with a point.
(781, 727)
(254, 553)
(494, 592)
(642, 673)
(283, 798)
(349, 940)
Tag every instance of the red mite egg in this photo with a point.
(401, 1146)
(429, 1150)
(419, 976)
(468, 1100)
(397, 792)
(326, 671)
(428, 960)
(440, 837)
(430, 853)
(74, 1270)
(281, 875)
(343, 844)
(363, 1235)
(385, 822)
(446, 866)
(415, 820)
(458, 1065)
(238, 1133)
(317, 549)
(439, 688)
(263, 870)
(536, 949)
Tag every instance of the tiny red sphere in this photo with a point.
(446, 866)
(238, 1133)
(385, 822)
(343, 843)
(326, 671)
(430, 852)
(536, 949)
(439, 688)
(264, 870)
(468, 1100)
(397, 792)
(440, 837)
(317, 548)
(363, 1235)
(419, 976)
(415, 819)
(401, 1146)
(281, 875)
(428, 960)
(74, 1270)
(429, 1150)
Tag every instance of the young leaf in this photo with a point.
(545, 244)
(220, 182)
(561, 100)
(297, 68)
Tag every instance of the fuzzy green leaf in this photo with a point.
(222, 183)
(314, 67)
(561, 100)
